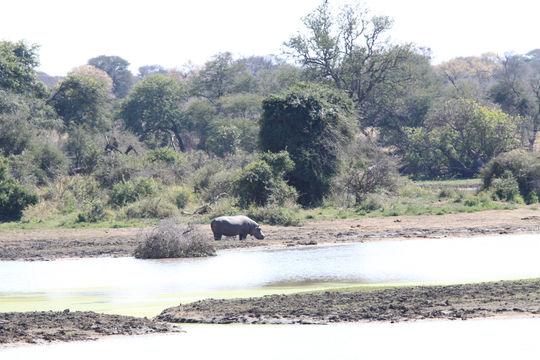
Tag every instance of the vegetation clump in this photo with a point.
(167, 240)
(512, 174)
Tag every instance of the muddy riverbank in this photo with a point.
(504, 298)
(48, 326)
(78, 243)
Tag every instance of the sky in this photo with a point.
(172, 33)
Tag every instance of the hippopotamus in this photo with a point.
(235, 225)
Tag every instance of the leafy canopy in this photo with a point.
(313, 123)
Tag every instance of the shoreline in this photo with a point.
(53, 244)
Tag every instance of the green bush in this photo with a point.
(182, 196)
(522, 166)
(149, 208)
(112, 169)
(164, 155)
(506, 188)
(276, 215)
(13, 197)
(93, 212)
(261, 182)
(130, 191)
(167, 240)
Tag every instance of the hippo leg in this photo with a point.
(242, 236)
(217, 236)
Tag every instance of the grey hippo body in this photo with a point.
(235, 225)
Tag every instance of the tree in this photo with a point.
(458, 139)
(154, 112)
(349, 51)
(517, 91)
(17, 63)
(82, 100)
(117, 68)
(313, 123)
(222, 76)
(146, 70)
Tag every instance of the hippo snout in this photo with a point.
(258, 233)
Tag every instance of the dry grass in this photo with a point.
(168, 240)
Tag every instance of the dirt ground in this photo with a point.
(49, 326)
(396, 304)
(72, 243)
(504, 298)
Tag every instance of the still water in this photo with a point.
(471, 339)
(145, 287)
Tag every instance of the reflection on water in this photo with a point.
(144, 287)
(471, 339)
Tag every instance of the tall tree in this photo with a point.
(349, 51)
(313, 123)
(117, 69)
(154, 110)
(517, 91)
(17, 63)
(83, 99)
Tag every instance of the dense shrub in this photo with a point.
(522, 166)
(506, 188)
(13, 197)
(261, 182)
(314, 123)
(130, 191)
(164, 155)
(93, 212)
(112, 169)
(149, 208)
(181, 196)
(276, 215)
(167, 240)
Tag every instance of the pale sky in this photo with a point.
(172, 33)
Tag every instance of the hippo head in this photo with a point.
(257, 232)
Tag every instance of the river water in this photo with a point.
(145, 287)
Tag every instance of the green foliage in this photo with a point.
(82, 100)
(461, 137)
(127, 192)
(276, 215)
(93, 212)
(182, 196)
(153, 110)
(164, 155)
(50, 162)
(117, 69)
(223, 138)
(254, 184)
(17, 63)
(261, 182)
(114, 169)
(506, 188)
(149, 208)
(13, 197)
(313, 123)
(167, 240)
(515, 166)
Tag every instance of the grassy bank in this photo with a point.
(411, 198)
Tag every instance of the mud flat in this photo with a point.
(49, 326)
(504, 298)
(77, 243)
